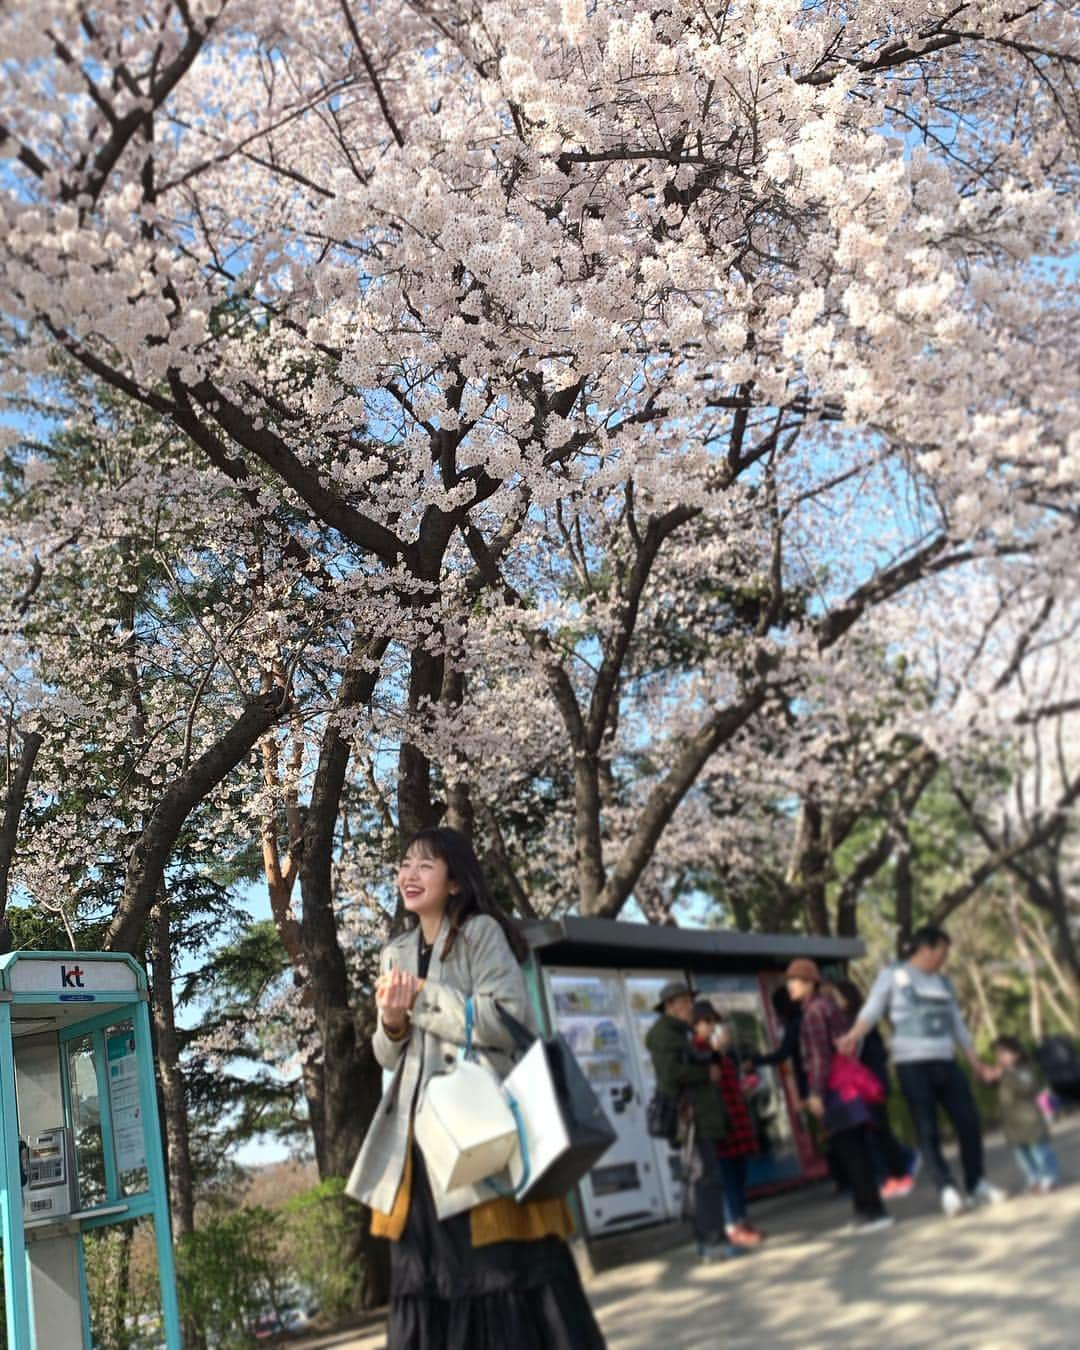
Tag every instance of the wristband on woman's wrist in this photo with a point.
(400, 1033)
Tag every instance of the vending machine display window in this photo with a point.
(589, 1009)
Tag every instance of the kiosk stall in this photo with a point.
(597, 981)
(81, 1138)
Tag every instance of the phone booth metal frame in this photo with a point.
(74, 995)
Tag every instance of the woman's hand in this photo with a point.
(815, 1106)
(395, 993)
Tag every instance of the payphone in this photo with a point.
(45, 1172)
(80, 1144)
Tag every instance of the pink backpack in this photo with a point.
(852, 1081)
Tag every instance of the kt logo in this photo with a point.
(71, 978)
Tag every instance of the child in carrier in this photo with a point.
(1023, 1121)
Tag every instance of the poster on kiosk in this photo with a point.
(81, 1139)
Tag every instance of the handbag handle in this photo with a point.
(513, 1192)
(520, 1034)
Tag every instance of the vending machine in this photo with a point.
(589, 1008)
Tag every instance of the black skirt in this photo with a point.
(446, 1294)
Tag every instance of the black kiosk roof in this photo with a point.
(571, 941)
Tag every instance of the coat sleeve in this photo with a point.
(387, 1052)
(877, 1001)
(789, 1043)
(672, 1065)
(496, 978)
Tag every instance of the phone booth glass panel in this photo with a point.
(81, 1140)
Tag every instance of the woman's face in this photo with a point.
(704, 1028)
(424, 883)
(800, 990)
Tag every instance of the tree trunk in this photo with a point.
(809, 869)
(588, 837)
(18, 777)
(984, 1002)
(905, 896)
(351, 1078)
(178, 1144)
(173, 1095)
(416, 811)
(1065, 942)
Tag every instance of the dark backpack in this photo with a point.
(662, 1116)
(1059, 1061)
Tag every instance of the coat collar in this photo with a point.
(435, 967)
(408, 950)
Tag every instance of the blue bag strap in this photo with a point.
(470, 1018)
(523, 1144)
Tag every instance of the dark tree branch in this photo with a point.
(149, 857)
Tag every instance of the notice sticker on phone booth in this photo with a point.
(124, 1101)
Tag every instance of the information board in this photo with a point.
(124, 1101)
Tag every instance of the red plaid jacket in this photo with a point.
(822, 1023)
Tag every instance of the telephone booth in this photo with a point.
(81, 1139)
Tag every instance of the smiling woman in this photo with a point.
(469, 1269)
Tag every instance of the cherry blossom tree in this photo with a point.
(411, 314)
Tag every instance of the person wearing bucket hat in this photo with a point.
(674, 991)
(687, 1081)
(845, 1122)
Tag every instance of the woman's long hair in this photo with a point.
(456, 851)
(852, 995)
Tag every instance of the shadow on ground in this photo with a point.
(999, 1279)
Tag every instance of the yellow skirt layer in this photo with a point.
(499, 1220)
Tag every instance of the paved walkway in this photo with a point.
(1000, 1279)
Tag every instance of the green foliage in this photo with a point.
(229, 1274)
(319, 1236)
(121, 1278)
(234, 989)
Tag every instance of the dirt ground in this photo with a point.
(1004, 1278)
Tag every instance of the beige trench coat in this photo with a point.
(480, 964)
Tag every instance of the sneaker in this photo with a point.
(863, 1226)
(986, 1194)
(896, 1188)
(742, 1235)
(710, 1252)
(952, 1202)
(1046, 1186)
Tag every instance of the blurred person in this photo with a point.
(1022, 1119)
(928, 1026)
(845, 1121)
(895, 1164)
(713, 1040)
(692, 1079)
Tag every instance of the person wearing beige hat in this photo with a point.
(846, 1122)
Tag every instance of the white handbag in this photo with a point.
(464, 1125)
